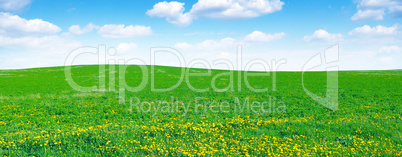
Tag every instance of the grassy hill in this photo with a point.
(42, 115)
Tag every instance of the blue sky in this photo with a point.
(36, 33)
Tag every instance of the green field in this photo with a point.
(41, 115)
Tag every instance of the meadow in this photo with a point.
(42, 115)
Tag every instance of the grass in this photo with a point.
(43, 116)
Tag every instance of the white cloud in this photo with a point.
(258, 36)
(323, 35)
(376, 3)
(173, 11)
(386, 59)
(216, 44)
(390, 49)
(377, 30)
(126, 47)
(208, 45)
(76, 29)
(183, 46)
(395, 11)
(13, 25)
(228, 43)
(43, 45)
(214, 9)
(14, 5)
(234, 9)
(120, 31)
(224, 55)
(375, 9)
(390, 55)
(368, 15)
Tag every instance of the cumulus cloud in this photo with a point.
(214, 9)
(76, 29)
(172, 11)
(323, 35)
(126, 47)
(258, 36)
(395, 11)
(45, 45)
(121, 31)
(36, 51)
(35, 36)
(225, 43)
(234, 9)
(183, 46)
(14, 5)
(368, 15)
(377, 30)
(375, 9)
(216, 44)
(208, 45)
(13, 25)
(390, 49)
(386, 59)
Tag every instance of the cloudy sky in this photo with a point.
(38, 33)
